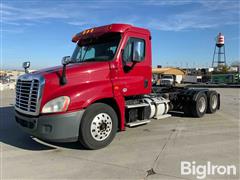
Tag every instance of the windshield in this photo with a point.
(102, 48)
(167, 77)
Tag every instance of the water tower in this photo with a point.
(219, 51)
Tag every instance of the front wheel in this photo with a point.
(98, 126)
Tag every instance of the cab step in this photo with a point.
(163, 116)
(138, 123)
(137, 105)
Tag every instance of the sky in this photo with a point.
(183, 31)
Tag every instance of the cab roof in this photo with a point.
(97, 31)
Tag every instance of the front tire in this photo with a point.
(98, 126)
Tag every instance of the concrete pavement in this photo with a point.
(152, 151)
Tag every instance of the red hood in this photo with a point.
(72, 70)
(48, 70)
(77, 75)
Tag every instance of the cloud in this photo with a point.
(208, 14)
(171, 15)
(77, 23)
(37, 13)
(81, 24)
(48, 10)
(167, 2)
(12, 14)
(178, 25)
(15, 31)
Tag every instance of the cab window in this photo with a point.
(134, 50)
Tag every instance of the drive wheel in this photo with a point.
(200, 105)
(212, 97)
(98, 126)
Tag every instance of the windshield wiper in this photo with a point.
(90, 59)
(97, 59)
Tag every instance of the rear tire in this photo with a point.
(199, 107)
(213, 102)
(98, 126)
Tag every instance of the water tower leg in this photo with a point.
(219, 56)
(225, 62)
(214, 56)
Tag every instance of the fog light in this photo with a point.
(46, 129)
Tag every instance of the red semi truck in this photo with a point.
(103, 87)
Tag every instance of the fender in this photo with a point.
(89, 93)
(107, 92)
(192, 94)
(197, 92)
(83, 95)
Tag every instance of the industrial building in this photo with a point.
(159, 72)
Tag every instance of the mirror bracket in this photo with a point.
(65, 61)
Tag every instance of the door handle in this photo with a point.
(145, 83)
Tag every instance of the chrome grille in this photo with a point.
(27, 92)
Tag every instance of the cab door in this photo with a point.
(135, 72)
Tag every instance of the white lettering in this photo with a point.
(209, 167)
(213, 169)
(185, 168)
(193, 168)
(203, 170)
(234, 169)
(221, 170)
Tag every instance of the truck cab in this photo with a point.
(167, 80)
(102, 87)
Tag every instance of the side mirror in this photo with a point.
(26, 65)
(66, 60)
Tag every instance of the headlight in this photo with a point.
(59, 104)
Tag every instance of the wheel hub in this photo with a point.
(101, 126)
(214, 101)
(202, 104)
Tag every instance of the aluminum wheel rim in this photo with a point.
(202, 104)
(214, 101)
(101, 126)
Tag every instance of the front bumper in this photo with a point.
(54, 128)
